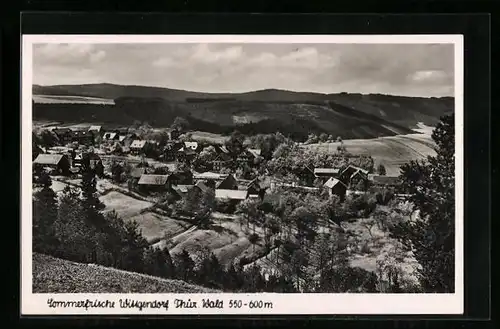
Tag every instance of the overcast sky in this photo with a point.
(405, 69)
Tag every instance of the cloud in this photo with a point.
(428, 76)
(403, 69)
(74, 53)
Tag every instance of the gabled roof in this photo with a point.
(203, 187)
(121, 138)
(48, 159)
(363, 171)
(229, 177)
(222, 148)
(326, 171)
(182, 188)
(223, 157)
(109, 135)
(153, 179)
(332, 182)
(170, 166)
(384, 180)
(255, 152)
(191, 145)
(95, 128)
(137, 144)
(231, 194)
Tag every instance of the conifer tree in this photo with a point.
(431, 236)
(44, 216)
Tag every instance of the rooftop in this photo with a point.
(210, 175)
(231, 194)
(323, 171)
(153, 179)
(48, 159)
(182, 188)
(137, 144)
(333, 182)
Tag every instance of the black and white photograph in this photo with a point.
(264, 166)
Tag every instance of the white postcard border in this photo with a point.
(37, 304)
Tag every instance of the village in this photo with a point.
(179, 165)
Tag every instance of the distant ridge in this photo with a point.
(261, 111)
(112, 91)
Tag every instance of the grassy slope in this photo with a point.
(53, 275)
(391, 151)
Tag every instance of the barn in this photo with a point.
(55, 163)
(336, 187)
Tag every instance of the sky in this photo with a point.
(399, 69)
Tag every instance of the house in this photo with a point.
(186, 155)
(182, 177)
(358, 181)
(194, 146)
(252, 187)
(382, 180)
(305, 175)
(126, 139)
(347, 173)
(137, 146)
(182, 190)
(54, 163)
(204, 188)
(223, 160)
(154, 182)
(336, 187)
(228, 183)
(82, 137)
(170, 151)
(65, 135)
(231, 195)
(95, 130)
(94, 159)
(326, 173)
(110, 136)
(248, 156)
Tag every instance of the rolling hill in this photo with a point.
(293, 113)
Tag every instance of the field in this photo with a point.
(155, 227)
(209, 137)
(391, 151)
(124, 205)
(53, 99)
(61, 276)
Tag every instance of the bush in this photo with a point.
(225, 206)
